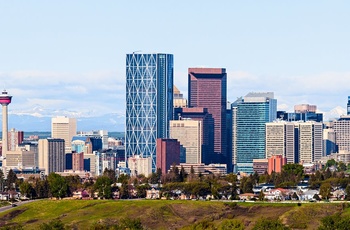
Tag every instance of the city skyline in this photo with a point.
(76, 63)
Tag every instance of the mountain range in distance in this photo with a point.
(39, 119)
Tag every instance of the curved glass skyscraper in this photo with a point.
(149, 102)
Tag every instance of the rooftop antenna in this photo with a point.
(137, 51)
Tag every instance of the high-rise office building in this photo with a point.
(348, 106)
(64, 128)
(207, 89)
(51, 155)
(149, 102)
(234, 107)
(342, 133)
(252, 114)
(310, 141)
(207, 121)
(282, 139)
(190, 135)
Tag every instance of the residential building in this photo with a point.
(207, 88)
(14, 139)
(64, 128)
(149, 103)
(252, 114)
(51, 153)
(168, 153)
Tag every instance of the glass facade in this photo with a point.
(207, 88)
(250, 131)
(149, 102)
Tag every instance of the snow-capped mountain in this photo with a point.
(38, 118)
(334, 113)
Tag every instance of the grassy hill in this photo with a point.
(164, 214)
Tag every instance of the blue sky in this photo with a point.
(70, 55)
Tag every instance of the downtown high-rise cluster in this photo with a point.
(208, 129)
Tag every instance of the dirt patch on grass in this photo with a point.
(9, 216)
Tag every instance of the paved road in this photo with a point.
(5, 208)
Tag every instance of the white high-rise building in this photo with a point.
(342, 133)
(64, 128)
(310, 141)
(281, 140)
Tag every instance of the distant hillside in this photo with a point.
(163, 214)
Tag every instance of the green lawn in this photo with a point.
(164, 214)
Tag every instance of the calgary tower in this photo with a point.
(5, 99)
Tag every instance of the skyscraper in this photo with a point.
(207, 89)
(348, 106)
(252, 114)
(149, 102)
(207, 134)
(64, 128)
(282, 139)
(310, 141)
(51, 155)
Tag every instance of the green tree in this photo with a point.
(142, 190)
(41, 188)
(261, 195)
(182, 175)
(268, 224)
(26, 189)
(341, 166)
(2, 181)
(103, 187)
(347, 191)
(331, 163)
(325, 190)
(327, 174)
(11, 180)
(74, 183)
(110, 173)
(58, 185)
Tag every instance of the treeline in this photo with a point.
(175, 181)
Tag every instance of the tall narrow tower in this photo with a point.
(5, 99)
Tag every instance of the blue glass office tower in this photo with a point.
(252, 114)
(149, 102)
